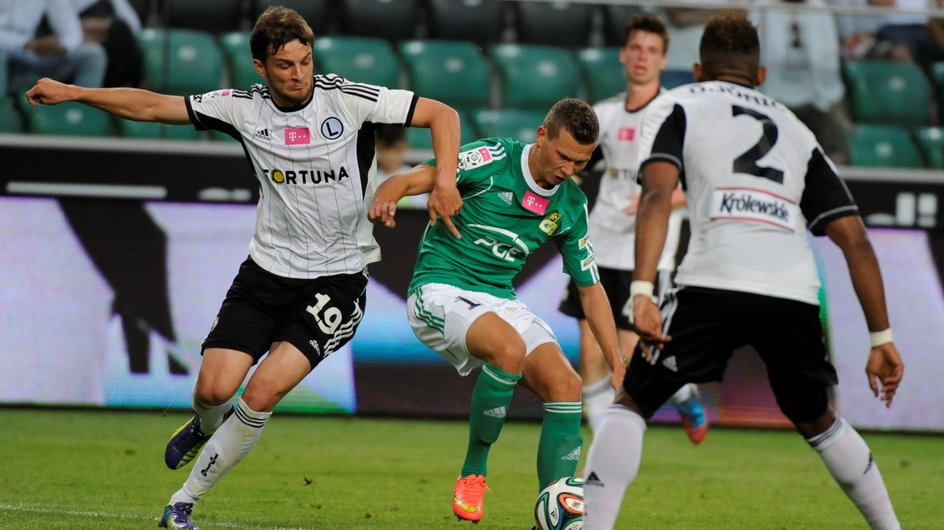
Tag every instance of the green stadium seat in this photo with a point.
(602, 71)
(883, 146)
(214, 17)
(520, 124)
(181, 61)
(242, 73)
(420, 138)
(535, 77)
(454, 72)
(360, 59)
(930, 141)
(318, 13)
(886, 92)
(10, 119)
(153, 130)
(71, 119)
(385, 19)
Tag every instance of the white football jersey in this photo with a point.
(612, 230)
(755, 179)
(316, 170)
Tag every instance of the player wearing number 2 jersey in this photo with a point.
(300, 295)
(462, 304)
(756, 181)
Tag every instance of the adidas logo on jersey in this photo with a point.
(573, 455)
(593, 480)
(507, 197)
(262, 134)
(669, 362)
(497, 412)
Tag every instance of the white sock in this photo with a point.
(682, 394)
(597, 397)
(211, 416)
(612, 464)
(850, 461)
(226, 448)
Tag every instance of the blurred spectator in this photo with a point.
(61, 54)
(114, 24)
(685, 26)
(907, 35)
(801, 50)
(856, 32)
(936, 30)
(391, 146)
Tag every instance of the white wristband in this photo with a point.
(877, 338)
(641, 287)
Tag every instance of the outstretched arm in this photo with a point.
(596, 307)
(443, 122)
(129, 103)
(884, 367)
(420, 179)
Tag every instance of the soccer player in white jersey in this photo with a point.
(612, 222)
(300, 295)
(462, 303)
(756, 180)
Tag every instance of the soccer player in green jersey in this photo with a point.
(461, 300)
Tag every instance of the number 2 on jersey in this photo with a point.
(747, 162)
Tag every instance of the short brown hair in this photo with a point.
(576, 117)
(730, 42)
(276, 27)
(649, 23)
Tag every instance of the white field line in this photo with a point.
(127, 516)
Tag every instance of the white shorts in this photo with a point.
(441, 315)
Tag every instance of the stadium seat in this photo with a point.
(420, 137)
(478, 21)
(615, 18)
(180, 61)
(883, 146)
(10, 119)
(673, 78)
(361, 59)
(318, 13)
(153, 130)
(603, 72)
(71, 119)
(214, 17)
(930, 141)
(393, 20)
(562, 24)
(520, 124)
(454, 72)
(886, 92)
(235, 46)
(535, 77)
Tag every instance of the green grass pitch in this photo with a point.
(104, 469)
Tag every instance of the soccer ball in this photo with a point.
(560, 505)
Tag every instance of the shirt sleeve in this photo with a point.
(219, 110)
(372, 103)
(663, 133)
(478, 161)
(825, 196)
(577, 250)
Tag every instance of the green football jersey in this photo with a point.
(504, 218)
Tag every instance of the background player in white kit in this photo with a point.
(300, 295)
(612, 222)
(756, 180)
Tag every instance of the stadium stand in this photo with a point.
(601, 73)
(561, 24)
(10, 119)
(361, 59)
(181, 61)
(478, 21)
(154, 130)
(520, 124)
(534, 77)
(420, 138)
(614, 23)
(454, 72)
(930, 141)
(71, 119)
(394, 21)
(216, 16)
(242, 73)
(883, 146)
(887, 92)
(320, 14)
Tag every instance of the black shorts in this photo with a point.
(316, 316)
(616, 284)
(707, 325)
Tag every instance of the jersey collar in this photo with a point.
(529, 179)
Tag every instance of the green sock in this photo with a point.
(560, 443)
(490, 400)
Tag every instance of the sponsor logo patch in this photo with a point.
(534, 203)
(474, 158)
(331, 128)
(627, 134)
(755, 205)
(298, 135)
(549, 224)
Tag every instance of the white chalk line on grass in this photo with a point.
(88, 513)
